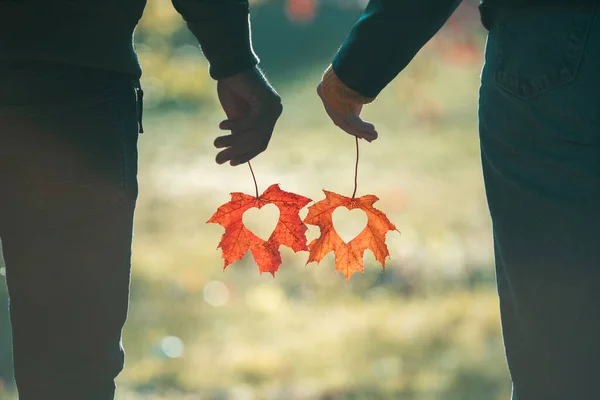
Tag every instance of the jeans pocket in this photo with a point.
(538, 50)
(80, 159)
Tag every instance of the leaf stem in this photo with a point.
(356, 170)
(254, 178)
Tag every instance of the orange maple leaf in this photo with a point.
(237, 240)
(348, 256)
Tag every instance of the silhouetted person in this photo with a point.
(539, 126)
(70, 113)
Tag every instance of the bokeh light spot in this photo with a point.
(172, 347)
(216, 293)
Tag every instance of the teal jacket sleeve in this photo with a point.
(385, 39)
(223, 29)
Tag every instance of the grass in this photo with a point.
(427, 328)
(421, 330)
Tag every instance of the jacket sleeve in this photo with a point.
(223, 29)
(385, 39)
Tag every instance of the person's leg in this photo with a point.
(540, 146)
(70, 193)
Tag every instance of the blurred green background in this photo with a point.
(425, 328)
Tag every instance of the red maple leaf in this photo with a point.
(348, 256)
(237, 240)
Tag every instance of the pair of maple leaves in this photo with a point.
(290, 230)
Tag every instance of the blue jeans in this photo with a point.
(68, 179)
(539, 117)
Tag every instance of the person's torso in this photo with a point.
(94, 33)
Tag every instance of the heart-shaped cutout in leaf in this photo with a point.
(261, 221)
(348, 256)
(349, 223)
(290, 231)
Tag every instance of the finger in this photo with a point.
(368, 136)
(350, 127)
(364, 129)
(241, 145)
(226, 155)
(224, 141)
(341, 122)
(352, 124)
(244, 158)
(251, 152)
(359, 123)
(237, 124)
(343, 125)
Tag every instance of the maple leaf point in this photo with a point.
(290, 231)
(348, 256)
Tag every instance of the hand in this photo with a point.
(252, 107)
(350, 123)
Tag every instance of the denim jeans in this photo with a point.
(539, 117)
(68, 182)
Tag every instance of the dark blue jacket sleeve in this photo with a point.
(386, 38)
(223, 29)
